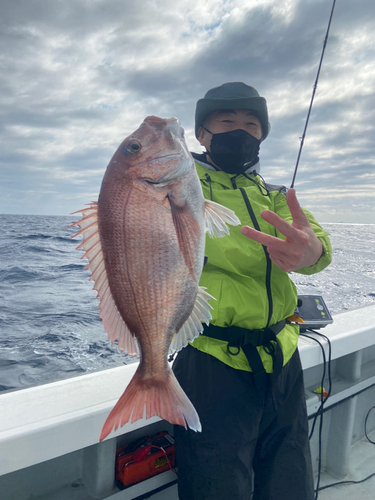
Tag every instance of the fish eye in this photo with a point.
(133, 147)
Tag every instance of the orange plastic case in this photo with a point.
(144, 458)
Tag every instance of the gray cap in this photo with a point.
(233, 95)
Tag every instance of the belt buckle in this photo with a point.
(255, 337)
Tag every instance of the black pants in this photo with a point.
(252, 445)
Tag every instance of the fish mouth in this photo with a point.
(162, 181)
(164, 156)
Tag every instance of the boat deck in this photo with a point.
(362, 465)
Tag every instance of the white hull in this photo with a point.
(49, 434)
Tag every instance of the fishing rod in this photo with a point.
(313, 94)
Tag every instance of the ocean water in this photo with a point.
(49, 318)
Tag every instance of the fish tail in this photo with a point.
(164, 398)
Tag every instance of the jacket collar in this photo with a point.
(201, 159)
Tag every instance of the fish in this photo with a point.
(144, 239)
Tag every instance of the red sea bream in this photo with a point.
(144, 240)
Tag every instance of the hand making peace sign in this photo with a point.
(301, 247)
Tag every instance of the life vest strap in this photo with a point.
(249, 340)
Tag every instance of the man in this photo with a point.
(243, 374)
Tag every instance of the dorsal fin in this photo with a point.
(113, 322)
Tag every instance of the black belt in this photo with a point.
(248, 340)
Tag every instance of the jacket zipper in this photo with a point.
(268, 260)
(256, 226)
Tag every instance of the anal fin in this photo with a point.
(193, 325)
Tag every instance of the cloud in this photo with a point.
(78, 76)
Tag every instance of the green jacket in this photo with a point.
(249, 291)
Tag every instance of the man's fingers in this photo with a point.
(290, 231)
(271, 242)
(280, 263)
(278, 223)
(301, 247)
(262, 238)
(299, 217)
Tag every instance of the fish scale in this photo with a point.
(150, 269)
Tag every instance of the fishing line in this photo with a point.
(313, 94)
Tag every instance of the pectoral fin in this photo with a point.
(217, 217)
(188, 232)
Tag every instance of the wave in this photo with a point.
(19, 274)
(48, 237)
(72, 267)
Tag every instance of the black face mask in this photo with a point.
(235, 151)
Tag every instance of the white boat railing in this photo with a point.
(41, 423)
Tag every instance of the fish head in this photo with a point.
(156, 152)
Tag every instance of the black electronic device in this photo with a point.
(314, 312)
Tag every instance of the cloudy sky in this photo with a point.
(78, 76)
